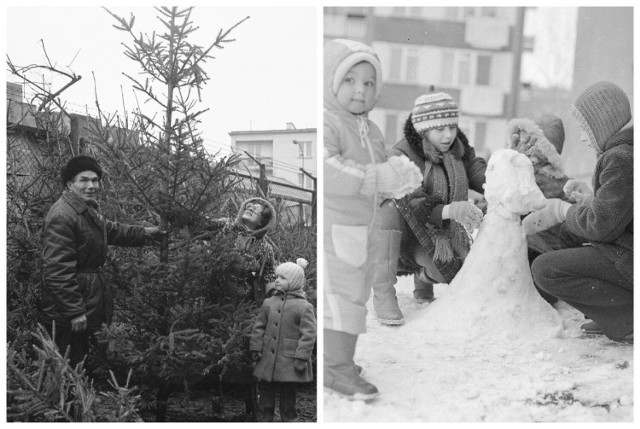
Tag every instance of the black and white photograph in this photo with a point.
(318, 213)
(161, 188)
(478, 214)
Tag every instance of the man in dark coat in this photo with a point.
(76, 298)
(593, 272)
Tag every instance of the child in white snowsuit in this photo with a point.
(356, 172)
(282, 341)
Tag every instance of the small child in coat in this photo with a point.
(357, 177)
(282, 341)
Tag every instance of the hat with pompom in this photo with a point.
(602, 110)
(77, 165)
(434, 110)
(293, 272)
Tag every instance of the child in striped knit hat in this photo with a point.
(282, 341)
(438, 216)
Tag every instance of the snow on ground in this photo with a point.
(568, 379)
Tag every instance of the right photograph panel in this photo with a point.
(478, 214)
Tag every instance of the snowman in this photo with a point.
(493, 293)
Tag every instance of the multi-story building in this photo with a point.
(472, 53)
(283, 153)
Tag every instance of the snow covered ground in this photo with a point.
(568, 379)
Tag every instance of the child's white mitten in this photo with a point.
(577, 191)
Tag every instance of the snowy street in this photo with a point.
(423, 377)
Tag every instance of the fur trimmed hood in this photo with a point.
(542, 154)
(260, 232)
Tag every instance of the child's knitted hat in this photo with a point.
(434, 110)
(553, 130)
(293, 272)
(602, 110)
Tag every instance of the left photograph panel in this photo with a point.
(161, 214)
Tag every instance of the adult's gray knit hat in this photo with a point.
(602, 110)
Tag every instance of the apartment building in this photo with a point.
(472, 53)
(283, 152)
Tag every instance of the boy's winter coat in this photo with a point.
(284, 330)
(75, 239)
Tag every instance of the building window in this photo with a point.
(252, 148)
(489, 11)
(304, 149)
(451, 13)
(468, 11)
(411, 71)
(447, 68)
(396, 62)
(483, 70)
(415, 11)
(305, 181)
(398, 11)
(464, 69)
(391, 128)
(466, 126)
(479, 142)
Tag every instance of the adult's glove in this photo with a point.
(466, 214)
(553, 213)
(300, 365)
(577, 191)
(398, 176)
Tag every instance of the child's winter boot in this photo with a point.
(385, 302)
(422, 289)
(340, 373)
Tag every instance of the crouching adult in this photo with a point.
(593, 272)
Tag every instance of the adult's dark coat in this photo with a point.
(75, 240)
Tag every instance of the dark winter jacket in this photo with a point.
(284, 330)
(430, 207)
(606, 221)
(426, 209)
(254, 257)
(75, 240)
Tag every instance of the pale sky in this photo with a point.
(263, 80)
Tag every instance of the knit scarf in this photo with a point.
(446, 178)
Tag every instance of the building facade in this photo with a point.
(284, 153)
(472, 53)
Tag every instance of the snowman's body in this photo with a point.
(493, 294)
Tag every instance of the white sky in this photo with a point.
(263, 80)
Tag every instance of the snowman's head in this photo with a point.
(511, 186)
